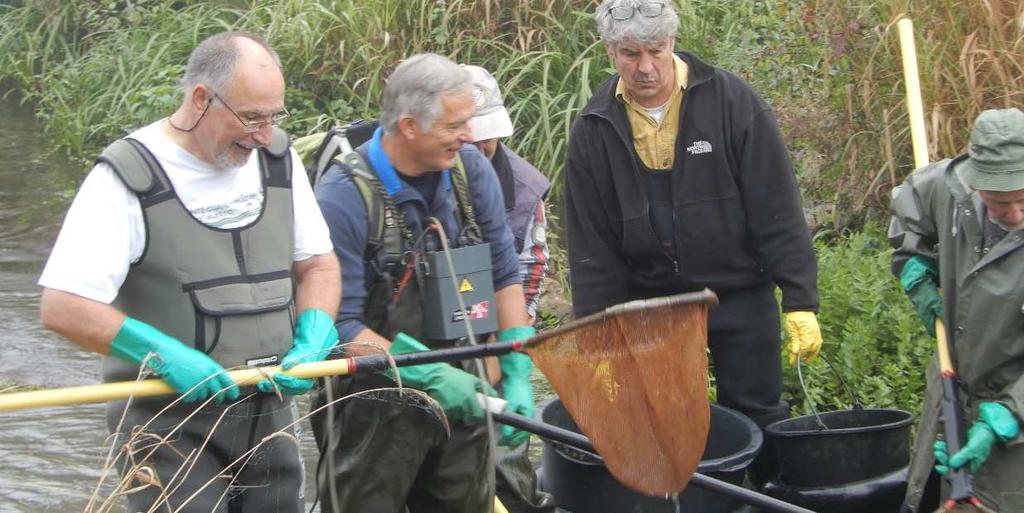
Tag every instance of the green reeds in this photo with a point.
(830, 68)
(970, 57)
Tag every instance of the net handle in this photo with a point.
(332, 367)
(705, 296)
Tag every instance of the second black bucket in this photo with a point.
(853, 445)
(581, 484)
(841, 461)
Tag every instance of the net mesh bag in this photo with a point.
(634, 379)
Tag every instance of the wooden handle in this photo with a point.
(913, 85)
(945, 362)
(154, 387)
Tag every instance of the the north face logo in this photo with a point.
(699, 147)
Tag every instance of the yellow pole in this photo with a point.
(499, 507)
(153, 387)
(945, 362)
(912, 81)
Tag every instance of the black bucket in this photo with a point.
(581, 484)
(842, 459)
(856, 444)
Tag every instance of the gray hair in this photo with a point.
(639, 28)
(213, 62)
(415, 89)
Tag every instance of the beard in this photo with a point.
(233, 157)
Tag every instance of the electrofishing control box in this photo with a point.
(474, 282)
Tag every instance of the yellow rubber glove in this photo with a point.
(804, 336)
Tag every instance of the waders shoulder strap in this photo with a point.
(133, 163)
(276, 161)
(139, 170)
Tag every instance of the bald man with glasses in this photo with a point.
(193, 247)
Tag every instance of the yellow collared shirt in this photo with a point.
(655, 142)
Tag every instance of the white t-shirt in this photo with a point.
(104, 232)
(656, 113)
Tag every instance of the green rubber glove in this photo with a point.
(454, 389)
(995, 424)
(919, 278)
(515, 384)
(941, 453)
(192, 373)
(315, 335)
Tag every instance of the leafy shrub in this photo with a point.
(872, 334)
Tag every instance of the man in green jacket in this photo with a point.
(958, 226)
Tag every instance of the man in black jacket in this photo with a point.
(677, 178)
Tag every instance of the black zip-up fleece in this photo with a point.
(736, 204)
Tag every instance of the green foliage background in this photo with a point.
(872, 335)
(94, 69)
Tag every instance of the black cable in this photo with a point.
(194, 125)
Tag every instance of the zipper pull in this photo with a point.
(956, 215)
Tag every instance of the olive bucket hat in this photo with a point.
(996, 160)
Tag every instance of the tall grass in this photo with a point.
(94, 73)
(970, 57)
(830, 68)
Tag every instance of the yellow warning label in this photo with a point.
(466, 286)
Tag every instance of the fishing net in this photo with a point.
(634, 379)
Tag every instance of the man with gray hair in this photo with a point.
(192, 247)
(677, 178)
(958, 226)
(389, 455)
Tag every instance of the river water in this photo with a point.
(50, 459)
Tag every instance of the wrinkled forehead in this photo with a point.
(632, 45)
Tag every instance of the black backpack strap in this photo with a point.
(363, 179)
(387, 235)
(467, 214)
(338, 141)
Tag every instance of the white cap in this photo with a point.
(490, 119)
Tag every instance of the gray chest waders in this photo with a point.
(226, 292)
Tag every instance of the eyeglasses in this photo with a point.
(256, 123)
(646, 9)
